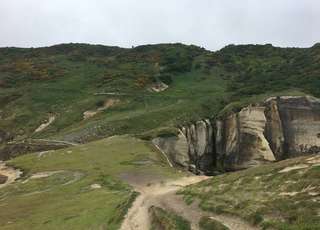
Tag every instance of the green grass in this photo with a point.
(206, 223)
(65, 199)
(165, 220)
(62, 80)
(151, 112)
(263, 196)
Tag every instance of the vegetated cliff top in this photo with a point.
(69, 79)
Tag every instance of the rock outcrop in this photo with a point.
(242, 142)
(300, 121)
(193, 147)
(276, 129)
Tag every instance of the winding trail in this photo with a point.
(11, 174)
(163, 194)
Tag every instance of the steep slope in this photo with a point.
(66, 81)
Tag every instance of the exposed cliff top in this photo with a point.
(306, 97)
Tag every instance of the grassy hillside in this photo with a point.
(283, 195)
(64, 81)
(80, 187)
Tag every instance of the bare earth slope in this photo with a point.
(163, 194)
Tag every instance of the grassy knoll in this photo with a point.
(82, 188)
(283, 195)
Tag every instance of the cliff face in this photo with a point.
(192, 148)
(300, 124)
(276, 129)
(243, 140)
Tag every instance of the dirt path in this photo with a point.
(164, 195)
(11, 174)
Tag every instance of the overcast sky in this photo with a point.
(208, 23)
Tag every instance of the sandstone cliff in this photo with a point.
(276, 129)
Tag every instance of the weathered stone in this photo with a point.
(273, 130)
(276, 129)
(176, 147)
(300, 118)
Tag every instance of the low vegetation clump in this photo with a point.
(207, 223)
(283, 195)
(165, 220)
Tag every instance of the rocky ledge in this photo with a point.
(276, 129)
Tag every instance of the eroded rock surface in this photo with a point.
(300, 117)
(276, 129)
(243, 141)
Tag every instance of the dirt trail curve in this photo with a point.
(163, 194)
(11, 174)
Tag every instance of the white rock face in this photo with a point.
(276, 129)
(300, 118)
(252, 122)
(244, 143)
(273, 130)
(175, 148)
(193, 145)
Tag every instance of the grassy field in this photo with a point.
(283, 195)
(82, 186)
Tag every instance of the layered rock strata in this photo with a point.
(278, 128)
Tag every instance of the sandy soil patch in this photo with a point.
(294, 167)
(314, 160)
(158, 87)
(10, 173)
(288, 193)
(51, 119)
(95, 186)
(109, 103)
(44, 174)
(88, 114)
